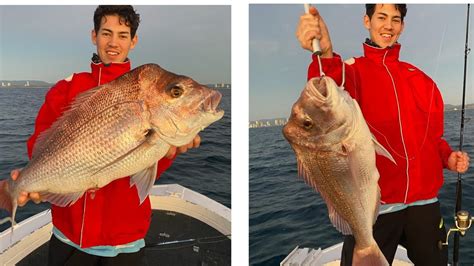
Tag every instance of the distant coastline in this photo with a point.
(219, 85)
(450, 107)
(38, 84)
(33, 84)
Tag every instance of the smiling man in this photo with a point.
(114, 37)
(108, 225)
(404, 111)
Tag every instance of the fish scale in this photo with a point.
(84, 147)
(343, 194)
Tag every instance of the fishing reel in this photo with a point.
(463, 222)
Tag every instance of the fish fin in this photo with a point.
(61, 200)
(148, 139)
(380, 150)
(304, 174)
(15, 206)
(7, 203)
(144, 181)
(371, 255)
(336, 220)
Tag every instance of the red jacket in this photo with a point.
(111, 215)
(404, 110)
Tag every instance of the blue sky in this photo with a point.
(278, 65)
(51, 42)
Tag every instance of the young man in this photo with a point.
(107, 225)
(410, 127)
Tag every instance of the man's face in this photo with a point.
(113, 40)
(385, 26)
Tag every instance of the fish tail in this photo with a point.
(371, 255)
(7, 202)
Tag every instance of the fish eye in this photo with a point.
(175, 91)
(307, 123)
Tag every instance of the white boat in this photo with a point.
(331, 257)
(187, 228)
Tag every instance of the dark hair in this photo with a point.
(370, 9)
(126, 13)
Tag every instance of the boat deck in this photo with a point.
(331, 257)
(203, 244)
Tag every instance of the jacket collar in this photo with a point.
(377, 54)
(104, 73)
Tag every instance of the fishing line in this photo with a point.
(461, 140)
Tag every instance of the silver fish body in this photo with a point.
(336, 156)
(115, 130)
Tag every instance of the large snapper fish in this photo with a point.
(336, 156)
(118, 129)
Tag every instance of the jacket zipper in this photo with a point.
(85, 196)
(400, 125)
(100, 75)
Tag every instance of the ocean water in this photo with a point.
(285, 212)
(205, 170)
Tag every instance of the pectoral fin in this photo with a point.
(144, 181)
(61, 200)
(380, 150)
(336, 220)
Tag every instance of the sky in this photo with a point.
(50, 43)
(278, 65)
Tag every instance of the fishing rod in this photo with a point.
(316, 47)
(462, 219)
(461, 141)
(192, 241)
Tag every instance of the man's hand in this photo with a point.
(312, 26)
(458, 162)
(173, 151)
(24, 196)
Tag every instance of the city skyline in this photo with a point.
(278, 65)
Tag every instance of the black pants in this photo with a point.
(416, 228)
(64, 254)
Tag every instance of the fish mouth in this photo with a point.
(317, 90)
(287, 133)
(211, 103)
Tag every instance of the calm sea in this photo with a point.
(205, 170)
(285, 212)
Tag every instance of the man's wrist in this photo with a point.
(328, 54)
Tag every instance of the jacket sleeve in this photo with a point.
(332, 67)
(444, 151)
(54, 103)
